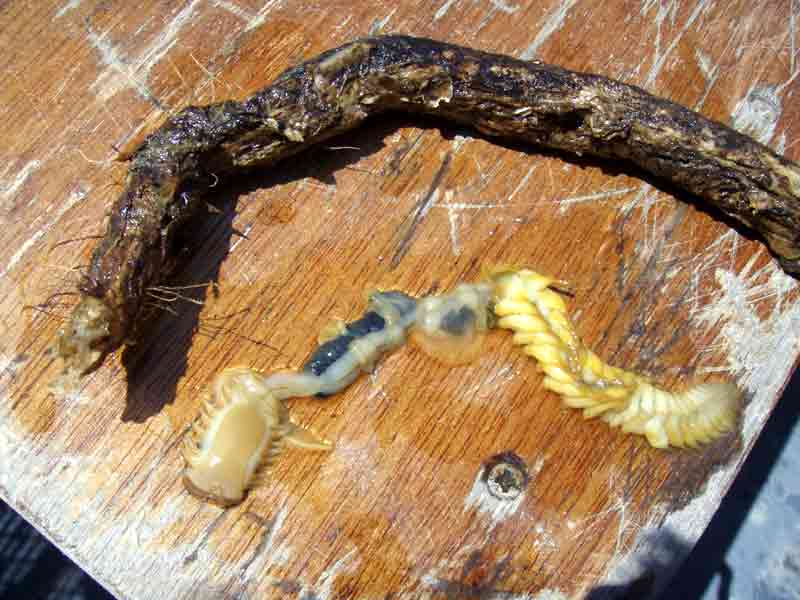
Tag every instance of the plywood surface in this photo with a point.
(398, 510)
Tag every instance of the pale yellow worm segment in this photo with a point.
(527, 303)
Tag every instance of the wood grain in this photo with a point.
(397, 510)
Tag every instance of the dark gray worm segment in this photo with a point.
(331, 351)
(458, 322)
(398, 307)
(578, 113)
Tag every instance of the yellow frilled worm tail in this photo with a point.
(528, 304)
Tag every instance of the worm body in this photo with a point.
(577, 113)
(244, 424)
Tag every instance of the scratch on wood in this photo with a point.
(423, 206)
(655, 552)
(236, 10)
(268, 552)
(23, 249)
(70, 5)
(212, 527)
(641, 546)
(705, 64)
(553, 22)
(619, 509)
(67, 80)
(544, 540)
(711, 73)
(669, 8)
(322, 589)
(326, 580)
(497, 6)
(467, 205)
(267, 530)
(378, 24)
(644, 200)
(242, 236)
(122, 73)
(723, 250)
(253, 20)
(453, 217)
(9, 189)
(106, 162)
(780, 144)
(660, 58)
(792, 37)
(210, 80)
(565, 203)
(443, 9)
(522, 183)
(760, 352)
(71, 201)
(546, 594)
(108, 83)
(504, 7)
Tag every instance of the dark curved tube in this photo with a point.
(533, 102)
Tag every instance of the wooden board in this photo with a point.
(398, 510)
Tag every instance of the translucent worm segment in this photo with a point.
(526, 303)
(451, 327)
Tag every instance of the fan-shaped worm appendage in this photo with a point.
(526, 303)
(241, 429)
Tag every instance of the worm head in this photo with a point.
(240, 431)
(240, 428)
